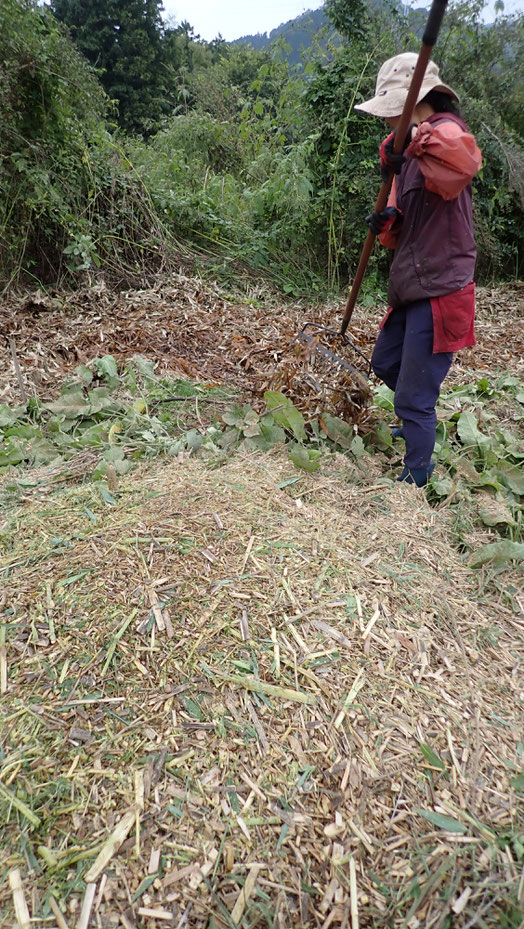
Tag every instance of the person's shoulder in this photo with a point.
(454, 124)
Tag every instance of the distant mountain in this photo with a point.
(299, 34)
(303, 32)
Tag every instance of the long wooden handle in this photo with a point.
(429, 38)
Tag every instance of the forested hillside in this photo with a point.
(124, 140)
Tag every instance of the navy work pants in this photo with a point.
(403, 358)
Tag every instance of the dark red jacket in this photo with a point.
(435, 252)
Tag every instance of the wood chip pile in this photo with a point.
(194, 329)
(243, 696)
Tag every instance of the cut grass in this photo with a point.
(134, 730)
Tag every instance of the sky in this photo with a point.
(235, 18)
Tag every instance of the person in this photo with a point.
(429, 223)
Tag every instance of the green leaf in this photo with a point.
(441, 485)
(285, 413)
(71, 404)
(443, 822)
(11, 453)
(144, 367)
(107, 369)
(517, 783)
(385, 398)
(273, 434)
(507, 380)
(106, 496)
(381, 436)
(307, 459)
(84, 374)
(337, 430)
(469, 432)
(10, 414)
(432, 757)
(234, 416)
(288, 481)
(143, 886)
(494, 512)
(513, 476)
(193, 709)
(357, 447)
(497, 552)
(193, 439)
(100, 400)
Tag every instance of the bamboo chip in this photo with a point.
(101, 891)
(460, 903)
(371, 623)
(60, 920)
(245, 893)
(247, 553)
(244, 626)
(258, 726)
(87, 904)
(168, 624)
(276, 650)
(20, 805)
(157, 612)
(139, 807)
(111, 846)
(156, 913)
(357, 685)
(353, 893)
(114, 642)
(21, 911)
(3, 660)
(283, 693)
(332, 633)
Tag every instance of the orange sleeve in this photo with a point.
(448, 157)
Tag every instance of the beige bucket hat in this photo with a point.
(393, 82)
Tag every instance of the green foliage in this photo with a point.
(52, 111)
(122, 39)
(480, 460)
(249, 160)
(486, 67)
(69, 200)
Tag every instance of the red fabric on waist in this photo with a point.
(453, 320)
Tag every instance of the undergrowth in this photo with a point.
(117, 419)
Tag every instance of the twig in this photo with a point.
(12, 347)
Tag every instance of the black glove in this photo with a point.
(379, 222)
(390, 161)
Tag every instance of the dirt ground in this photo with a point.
(243, 695)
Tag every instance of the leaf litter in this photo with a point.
(238, 694)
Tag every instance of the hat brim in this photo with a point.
(391, 103)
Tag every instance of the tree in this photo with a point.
(123, 40)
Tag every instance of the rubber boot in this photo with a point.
(418, 476)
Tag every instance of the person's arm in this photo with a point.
(448, 157)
